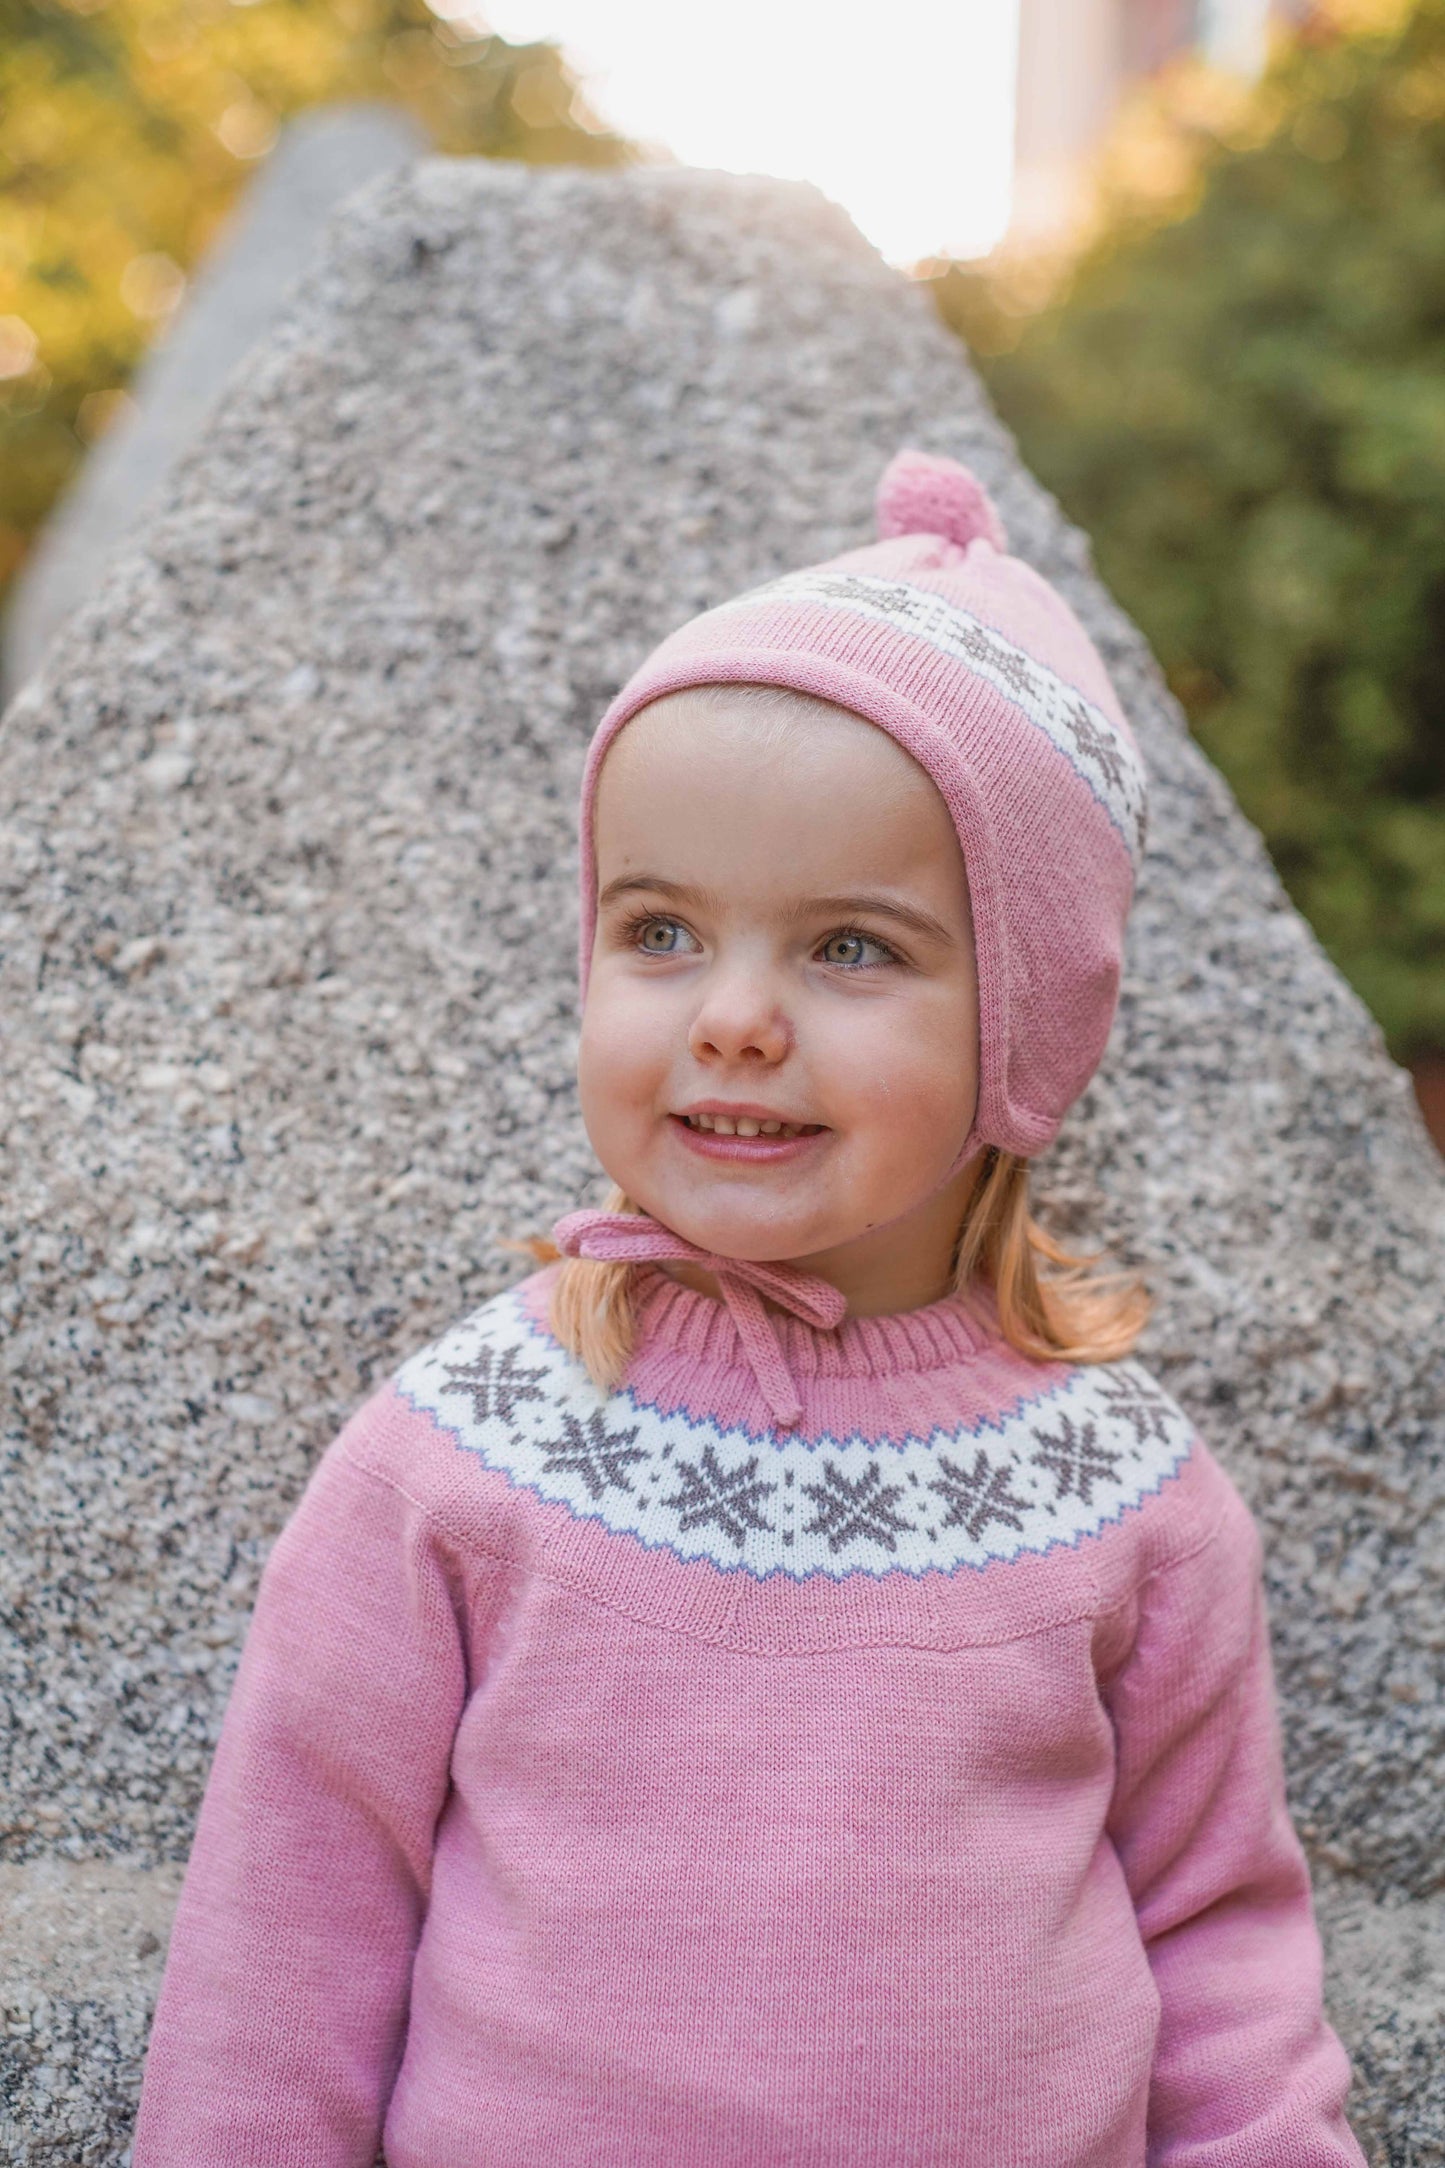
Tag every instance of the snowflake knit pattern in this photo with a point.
(622, 1781)
(1067, 1454)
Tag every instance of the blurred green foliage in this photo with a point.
(1241, 397)
(126, 128)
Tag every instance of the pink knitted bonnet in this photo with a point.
(969, 658)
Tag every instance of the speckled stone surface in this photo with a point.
(286, 925)
(263, 249)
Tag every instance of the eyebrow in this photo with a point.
(675, 891)
(902, 914)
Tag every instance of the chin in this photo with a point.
(761, 1238)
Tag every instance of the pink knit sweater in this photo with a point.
(622, 1783)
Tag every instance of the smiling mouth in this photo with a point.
(743, 1125)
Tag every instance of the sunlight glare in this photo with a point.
(903, 114)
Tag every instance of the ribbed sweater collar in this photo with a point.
(940, 1336)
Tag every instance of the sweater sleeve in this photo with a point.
(1247, 2072)
(282, 2012)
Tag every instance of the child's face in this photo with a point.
(783, 937)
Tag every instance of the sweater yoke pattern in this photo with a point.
(1042, 1473)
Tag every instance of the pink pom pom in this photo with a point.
(923, 493)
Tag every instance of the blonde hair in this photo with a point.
(1051, 1304)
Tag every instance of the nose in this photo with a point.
(740, 1019)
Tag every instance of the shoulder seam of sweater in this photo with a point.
(1193, 1549)
(1109, 1679)
(469, 1542)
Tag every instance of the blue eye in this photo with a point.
(854, 951)
(663, 937)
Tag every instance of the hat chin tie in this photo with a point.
(634, 1238)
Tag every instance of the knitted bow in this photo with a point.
(631, 1238)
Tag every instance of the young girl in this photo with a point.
(781, 1687)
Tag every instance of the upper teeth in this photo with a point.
(743, 1125)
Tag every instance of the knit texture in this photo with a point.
(616, 1781)
(634, 1238)
(982, 672)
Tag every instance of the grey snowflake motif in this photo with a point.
(1142, 1405)
(1015, 669)
(848, 1509)
(1100, 746)
(594, 1453)
(847, 587)
(494, 1383)
(978, 1495)
(1077, 1459)
(730, 1498)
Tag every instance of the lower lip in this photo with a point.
(748, 1151)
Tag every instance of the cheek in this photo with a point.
(622, 1055)
(906, 1088)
